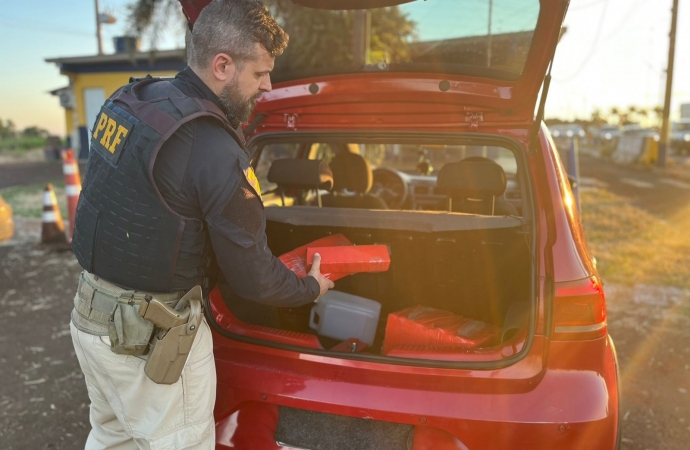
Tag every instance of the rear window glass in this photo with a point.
(405, 176)
(407, 157)
(489, 38)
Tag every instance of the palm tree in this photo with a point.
(617, 114)
(152, 16)
(632, 114)
(659, 115)
(597, 119)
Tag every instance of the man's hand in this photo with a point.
(324, 283)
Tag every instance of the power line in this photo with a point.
(14, 22)
(631, 12)
(45, 30)
(593, 49)
(586, 5)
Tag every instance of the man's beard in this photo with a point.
(235, 104)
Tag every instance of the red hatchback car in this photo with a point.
(429, 145)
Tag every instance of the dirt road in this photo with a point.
(20, 174)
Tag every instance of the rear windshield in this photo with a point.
(405, 176)
(488, 38)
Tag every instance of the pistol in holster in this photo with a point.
(176, 329)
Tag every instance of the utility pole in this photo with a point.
(98, 29)
(489, 37)
(663, 139)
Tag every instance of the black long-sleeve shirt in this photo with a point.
(202, 172)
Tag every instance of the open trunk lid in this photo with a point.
(418, 57)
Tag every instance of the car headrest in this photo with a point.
(352, 172)
(301, 174)
(474, 177)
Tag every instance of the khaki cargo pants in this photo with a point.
(129, 411)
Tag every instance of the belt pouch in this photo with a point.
(129, 333)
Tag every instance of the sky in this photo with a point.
(613, 54)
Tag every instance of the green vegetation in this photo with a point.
(322, 39)
(27, 201)
(22, 144)
(631, 245)
(319, 39)
(20, 141)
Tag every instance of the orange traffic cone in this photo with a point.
(53, 229)
(70, 168)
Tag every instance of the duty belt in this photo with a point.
(96, 300)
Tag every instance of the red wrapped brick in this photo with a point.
(351, 259)
(422, 326)
(296, 260)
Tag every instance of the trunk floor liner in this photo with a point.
(320, 431)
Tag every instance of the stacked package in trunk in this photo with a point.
(420, 326)
(339, 257)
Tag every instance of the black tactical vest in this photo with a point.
(124, 231)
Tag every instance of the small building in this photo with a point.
(92, 79)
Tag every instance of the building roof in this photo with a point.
(58, 90)
(123, 62)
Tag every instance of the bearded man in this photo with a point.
(169, 197)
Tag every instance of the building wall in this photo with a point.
(75, 119)
(69, 121)
(110, 82)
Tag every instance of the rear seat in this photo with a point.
(475, 185)
(301, 175)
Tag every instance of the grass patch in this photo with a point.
(21, 144)
(631, 245)
(27, 201)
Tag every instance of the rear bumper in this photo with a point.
(570, 402)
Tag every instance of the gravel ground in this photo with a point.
(650, 326)
(43, 399)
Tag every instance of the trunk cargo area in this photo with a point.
(476, 267)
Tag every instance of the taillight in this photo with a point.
(579, 310)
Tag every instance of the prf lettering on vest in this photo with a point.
(113, 132)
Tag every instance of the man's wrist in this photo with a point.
(314, 287)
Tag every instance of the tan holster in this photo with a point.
(175, 331)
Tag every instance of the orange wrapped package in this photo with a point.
(296, 260)
(350, 259)
(422, 326)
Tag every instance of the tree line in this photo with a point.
(620, 116)
(319, 39)
(8, 130)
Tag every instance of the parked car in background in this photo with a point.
(608, 135)
(563, 135)
(607, 139)
(436, 154)
(634, 143)
(680, 137)
(638, 131)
